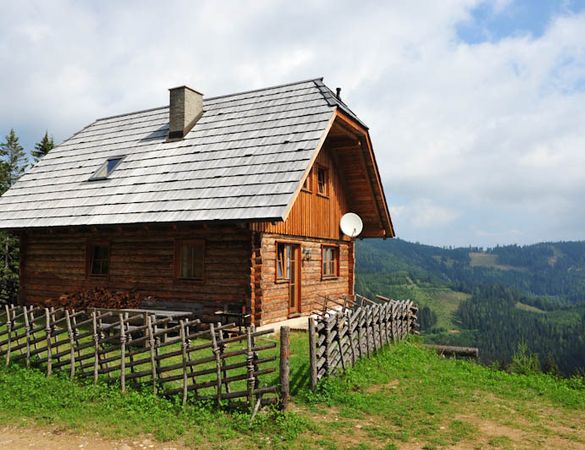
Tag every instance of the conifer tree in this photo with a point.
(13, 155)
(12, 165)
(44, 146)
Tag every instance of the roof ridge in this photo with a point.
(333, 100)
(266, 88)
(216, 97)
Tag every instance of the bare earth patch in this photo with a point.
(16, 438)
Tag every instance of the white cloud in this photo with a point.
(468, 137)
(423, 213)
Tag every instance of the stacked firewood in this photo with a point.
(96, 298)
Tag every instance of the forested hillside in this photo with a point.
(496, 299)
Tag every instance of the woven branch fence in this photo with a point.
(338, 338)
(175, 355)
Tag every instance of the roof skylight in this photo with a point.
(106, 168)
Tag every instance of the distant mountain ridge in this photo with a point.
(551, 269)
(497, 299)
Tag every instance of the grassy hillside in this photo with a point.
(440, 298)
(403, 397)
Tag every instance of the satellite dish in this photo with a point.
(351, 224)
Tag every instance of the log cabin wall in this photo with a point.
(273, 305)
(142, 259)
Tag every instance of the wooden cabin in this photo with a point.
(224, 203)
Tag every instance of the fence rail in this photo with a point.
(175, 355)
(338, 338)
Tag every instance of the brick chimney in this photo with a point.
(185, 109)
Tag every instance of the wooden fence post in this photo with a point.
(9, 333)
(28, 328)
(313, 353)
(218, 371)
(122, 353)
(96, 343)
(151, 344)
(71, 344)
(48, 336)
(284, 366)
(184, 345)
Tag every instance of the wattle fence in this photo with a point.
(339, 338)
(175, 354)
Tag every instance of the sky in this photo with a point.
(476, 108)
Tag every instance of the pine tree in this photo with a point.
(44, 146)
(12, 166)
(14, 156)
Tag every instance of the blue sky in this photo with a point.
(493, 21)
(475, 107)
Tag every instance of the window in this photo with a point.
(98, 259)
(106, 168)
(190, 256)
(330, 258)
(282, 261)
(322, 181)
(307, 183)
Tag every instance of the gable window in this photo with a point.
(190, 257)
(330, 261)
(106, 168)
(98, 255)
(322, 181)
(307, 183)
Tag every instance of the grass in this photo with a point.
(529, 308)
(405, 395)
(490, 260)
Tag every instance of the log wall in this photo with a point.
(273, 303)
(142, 259)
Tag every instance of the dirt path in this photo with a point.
(15, 438)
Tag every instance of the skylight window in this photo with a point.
(106, 168)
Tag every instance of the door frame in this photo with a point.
(296, 248)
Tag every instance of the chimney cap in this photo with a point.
(185, 87)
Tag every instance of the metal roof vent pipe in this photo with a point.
(185, 109)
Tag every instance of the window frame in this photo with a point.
(89, 258)
(308, 183)
(278, 279)
(325, 170)
(179, 243)
(336, 259)
(94, 177)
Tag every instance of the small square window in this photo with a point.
(99, 259)
(190, 258)
(322, 181)
(330, 261)
(106, 168)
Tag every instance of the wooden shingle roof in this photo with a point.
(243, 160)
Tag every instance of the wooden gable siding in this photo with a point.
(55, 263)
(313, 215)
(357, 166)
